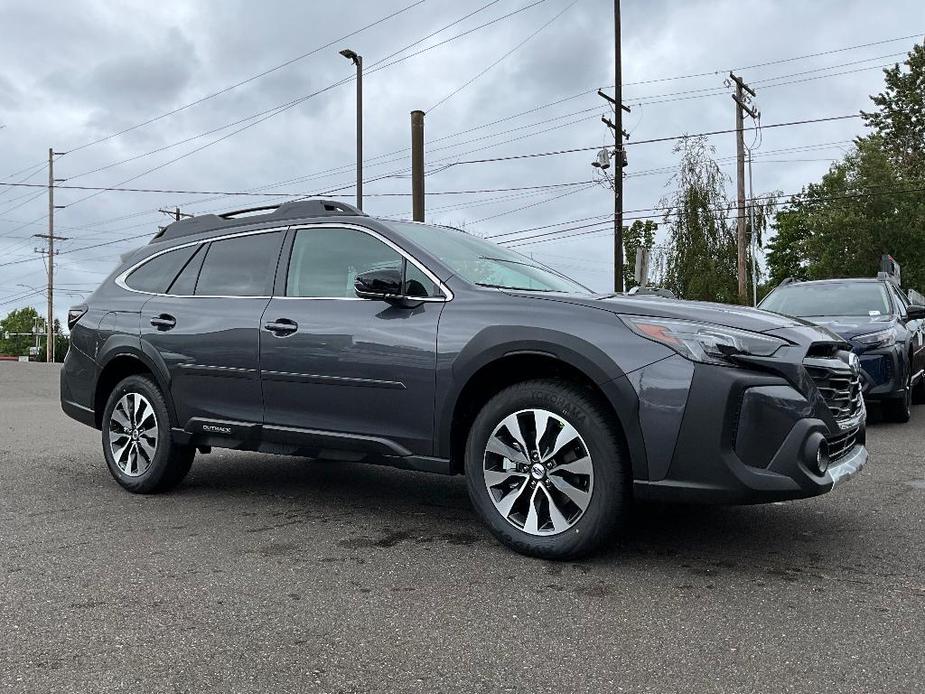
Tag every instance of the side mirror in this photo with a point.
(379, 284)
(915, 312)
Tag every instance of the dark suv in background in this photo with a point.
(883, 327)
(315, 330)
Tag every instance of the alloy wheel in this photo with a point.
(133, 434)
(538, 472)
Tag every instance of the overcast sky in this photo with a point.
(85, 70)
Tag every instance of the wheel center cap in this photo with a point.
(537, 471)
(135, 434)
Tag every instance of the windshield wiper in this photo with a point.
(507, 286)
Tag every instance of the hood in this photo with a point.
(852, 326)
(729, 315)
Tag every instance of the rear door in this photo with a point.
(206, 328)
(343, 372)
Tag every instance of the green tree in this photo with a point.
(899, 119)
(640, 234)
(841, 226)
(62, 343)
(700, 257)
(22, 320)
(869, 203)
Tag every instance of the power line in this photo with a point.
(531, 238)
(669, 138)
(773, 199)
(231, 87)
(280, 108)
(502, 58)
(270, 113)
(178, 191)
(829, 52)
(571, 97)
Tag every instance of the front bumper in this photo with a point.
(748, 437)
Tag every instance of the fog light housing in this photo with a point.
(822, 458)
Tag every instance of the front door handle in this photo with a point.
(281, 327)
(164, 321)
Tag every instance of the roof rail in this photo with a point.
(296, 209)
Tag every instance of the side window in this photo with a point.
(240, 266)
(185, 284)
(325, 262)
(157, 274)
(900, 300)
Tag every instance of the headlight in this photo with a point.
(881, 338)
(704, 342)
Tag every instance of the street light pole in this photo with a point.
(358, 61)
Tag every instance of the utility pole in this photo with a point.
(754, 237)
(417, 165)
(175, 213)
(358, 61)
(742, 107)
(51, 238)
(618, 170)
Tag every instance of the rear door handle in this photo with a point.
(164, 321)
(281, 327)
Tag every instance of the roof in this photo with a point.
(833, 280)
(299, 209)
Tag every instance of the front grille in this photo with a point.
(841, 445)
(838, 383)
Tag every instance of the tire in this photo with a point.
(585, 476)
(137, 440)
(899, 409)
(918, 393)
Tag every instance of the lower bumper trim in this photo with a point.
(848, 466)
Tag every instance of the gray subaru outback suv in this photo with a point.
(312, 329)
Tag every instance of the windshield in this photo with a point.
(829, 299)
(484, 263)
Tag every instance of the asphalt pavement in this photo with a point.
(275, 574)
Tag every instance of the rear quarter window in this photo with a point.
(157, 274)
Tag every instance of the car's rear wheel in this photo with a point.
(137, 440)
(546, 469)
(900, 409)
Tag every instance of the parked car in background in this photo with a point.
(884, 328)
(316, 330)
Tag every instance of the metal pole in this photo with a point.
(417, 165)
(618, 168)
(740, 194)
(754, 239)
(50, 327)
(359, 63)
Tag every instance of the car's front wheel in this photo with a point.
(546, 469)
(137, 441)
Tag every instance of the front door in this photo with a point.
(341, 371)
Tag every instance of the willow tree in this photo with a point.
(701, 247)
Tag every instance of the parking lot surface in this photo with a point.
(272, 574)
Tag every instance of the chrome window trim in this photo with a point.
(447, 292)
(120, 280)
